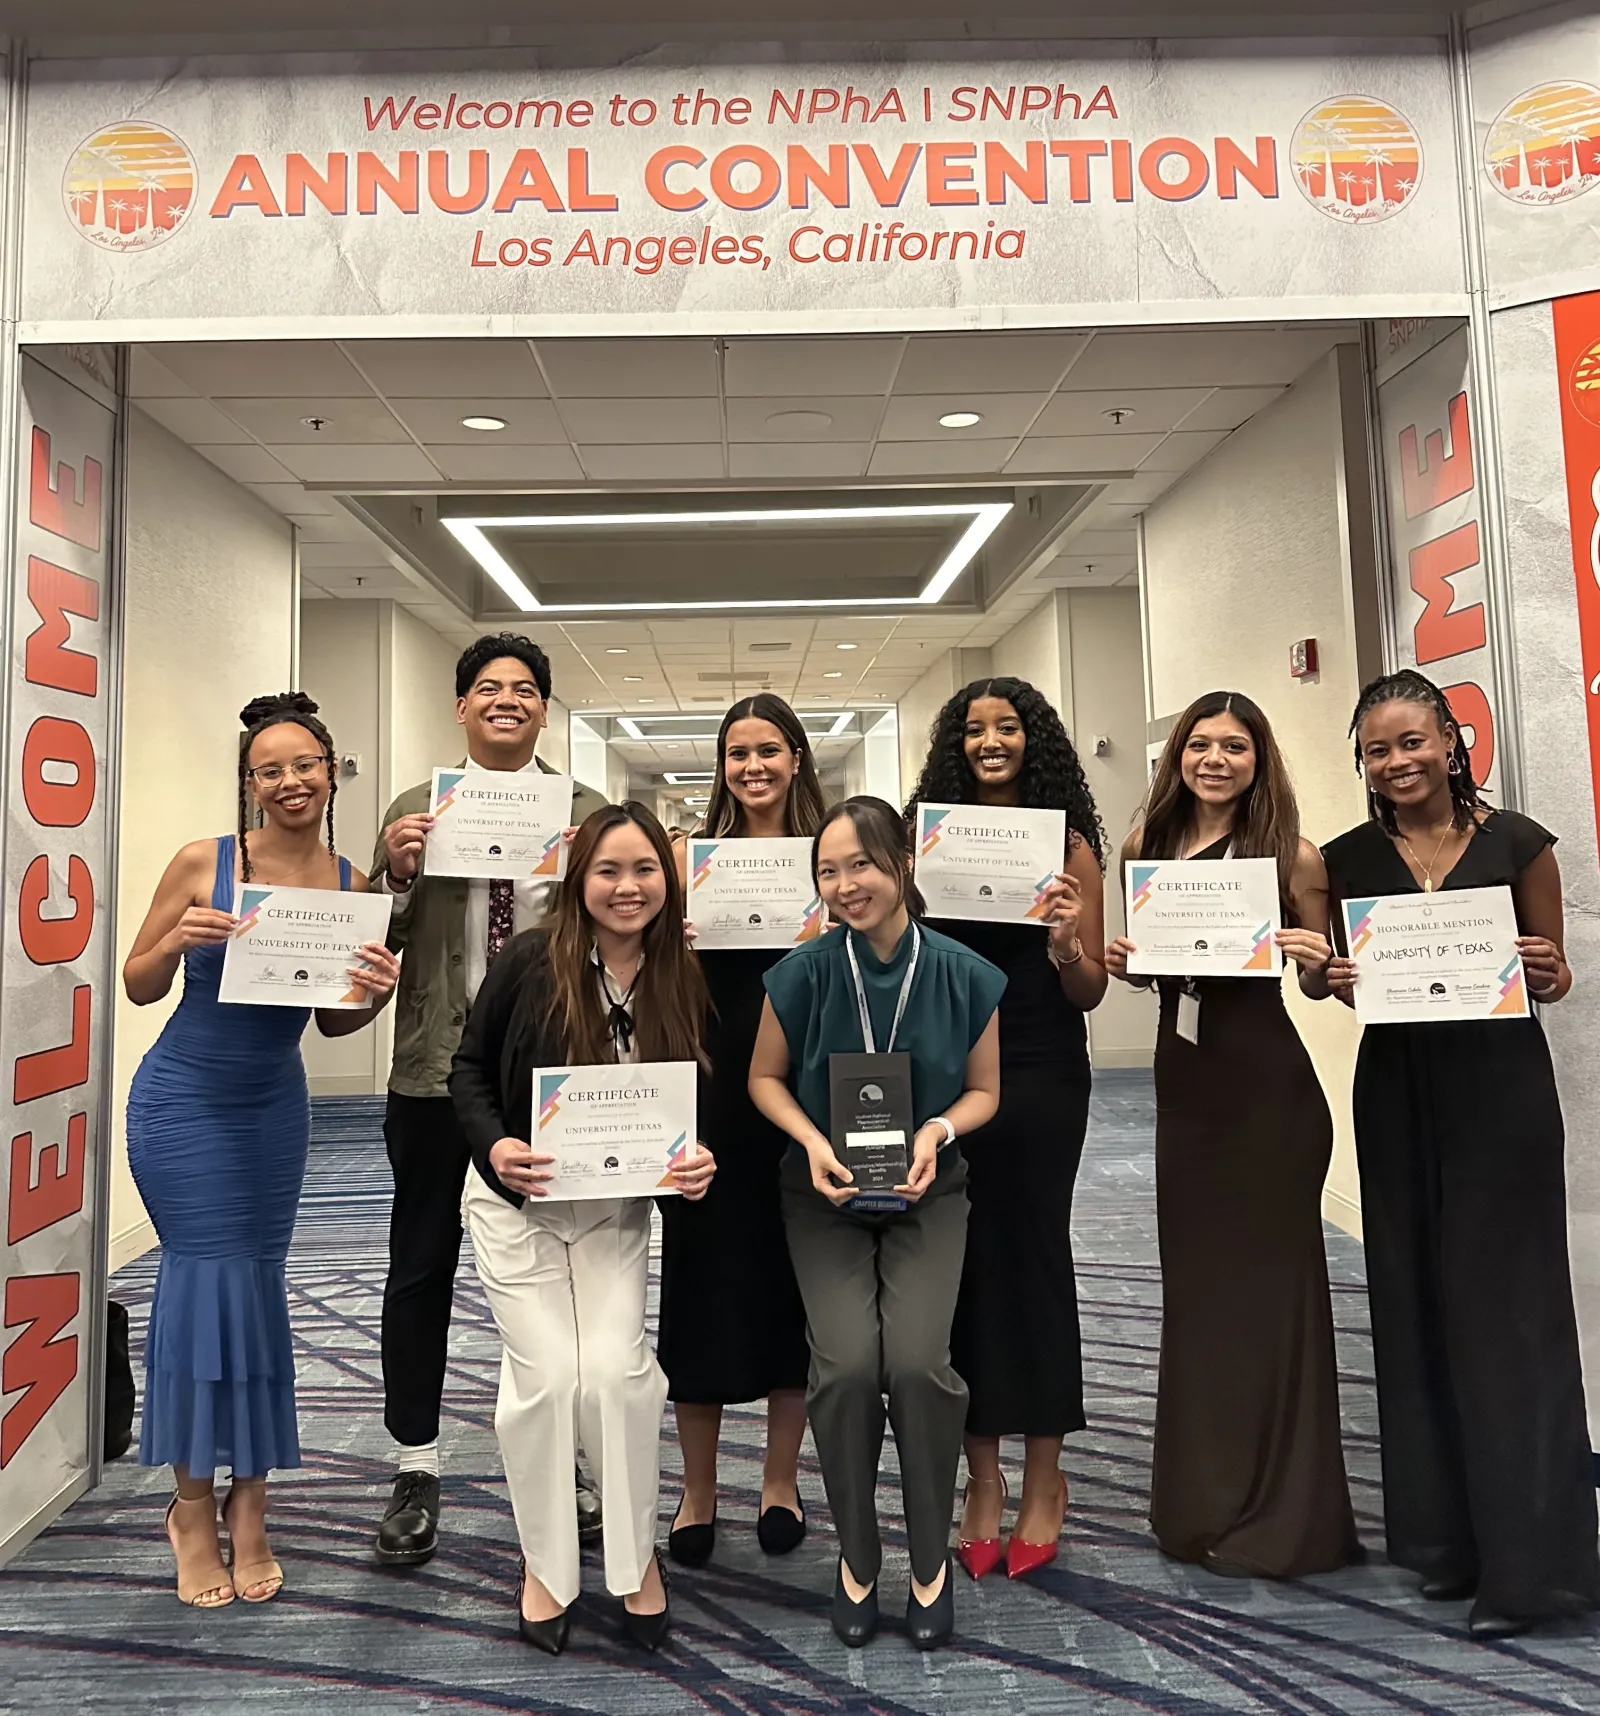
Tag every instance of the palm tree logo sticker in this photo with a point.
(1357, 159)
(129, 185)
(1544, 147)
(1584, 385)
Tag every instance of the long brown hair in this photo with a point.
(669, 1008)
(802, 806)
(1266, 819)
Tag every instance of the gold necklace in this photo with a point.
(1427, 869)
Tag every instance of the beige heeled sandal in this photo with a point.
(213, 1589)
(253, 1581)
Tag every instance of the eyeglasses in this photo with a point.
(302, 768)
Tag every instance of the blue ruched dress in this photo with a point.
(218, 1128)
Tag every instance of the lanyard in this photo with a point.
(899, 1007)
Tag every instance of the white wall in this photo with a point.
(1243, 558)
(208, 624)
(616, 784)
(587, 755)
(917, 710)
(555, 745)
(1033, 651)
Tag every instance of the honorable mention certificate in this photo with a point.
(752, 893)
(1204, 917)
(506, 825)
(1451, 955)
(293, 947)
(615, 1131)
(980, 861)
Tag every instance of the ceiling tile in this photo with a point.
(194, 420)
(507, 464)
(621, 422)
(257, 369)
(317, 555)
(1152, 408)
(1199, 357)
(916, 418)
(630, 368)
(246, 463)
(771, 368)
(323, 463)
(986, 363)
(1147, 486)
(791, 417)
(683, 463)
(149, 378)
(1183, 449)
(1083, 453)
(285, 497)
(364, 421)
(1228, 407)
(954, 457)
(528, 422)
(447, 369)
(833, 459)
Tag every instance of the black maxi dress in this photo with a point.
(1248, 1466)
(1486, 1464)
(1015, 1340)
(732, 1326)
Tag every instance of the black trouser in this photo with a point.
(430, 1158)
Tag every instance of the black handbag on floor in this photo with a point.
(119, 1383)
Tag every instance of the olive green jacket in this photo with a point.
(430, 1005)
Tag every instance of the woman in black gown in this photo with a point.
(1015, 1340)
(733, 1328)
(1487, 1482)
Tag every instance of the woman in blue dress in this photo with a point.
(218, 1127)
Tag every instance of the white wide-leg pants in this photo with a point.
(566, 1283)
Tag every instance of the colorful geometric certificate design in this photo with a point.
(503, 825)
(752, 893)
(1204, 917)
(1431, 957)
(615, 1131)
(989, 863)
(294, 947)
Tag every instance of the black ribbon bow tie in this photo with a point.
(620, 1024)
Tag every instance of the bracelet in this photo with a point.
(1057, 961)
(949, 1129)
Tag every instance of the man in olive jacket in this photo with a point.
(447, 928)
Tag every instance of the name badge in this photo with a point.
(870, 1123)
(1189, 1016)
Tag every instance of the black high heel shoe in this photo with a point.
(779, 1531)
(853, 1622)
(930, 1625)
(691, 1545)
(549, 1636)
(649, 1632)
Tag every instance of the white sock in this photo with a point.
(423, 1458)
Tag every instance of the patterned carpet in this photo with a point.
(88, 1622)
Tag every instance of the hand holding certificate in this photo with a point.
(1446, 955)
(615, 1131)
(1204, 917)
(506, 825)
(989, 863)
(752, 893)
(294, 947)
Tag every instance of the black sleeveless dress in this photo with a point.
(1486, 1464)
(1015, 1341)
(732, 1326)
(1248, 1468)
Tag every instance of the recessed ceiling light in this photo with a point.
(833, 676)
(847, 646)
(644, 700)
(800, 421)
(487, 424)
(633, 679)
(614, 650)
(960, 419)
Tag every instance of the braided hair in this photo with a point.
(1409, 686)
(256, 717)
(1051, 776)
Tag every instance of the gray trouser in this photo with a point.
(880, 1294)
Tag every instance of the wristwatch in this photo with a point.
(949, 1130)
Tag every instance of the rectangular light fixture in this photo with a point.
(983, 517)
(690, 780)
(634, 725)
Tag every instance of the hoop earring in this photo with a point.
(1456, 764)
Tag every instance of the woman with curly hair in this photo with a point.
(1015, 1338)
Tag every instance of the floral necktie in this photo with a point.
(502, 918)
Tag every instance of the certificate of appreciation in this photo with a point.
(506, 825)
(1450, 955)
(986, 862)
(615, 1131)
(1204, 917)
(293, 947)
(752, 893)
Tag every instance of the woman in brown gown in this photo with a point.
(1249, 1474)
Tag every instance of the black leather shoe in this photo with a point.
(1450, 1590)
(691, 1545)
(649, 1632)
(932, 1624)
(549, 1636)
(778, 1530)
(589, 1514)
(854, 1623)
(409, 1533)
(1490, 1628)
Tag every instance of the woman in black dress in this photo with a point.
(1015, 1340)
(733, 1328)
(1487, 1484)
(1248, 1474)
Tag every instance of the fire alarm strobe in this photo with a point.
(1303, 658)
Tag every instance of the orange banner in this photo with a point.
(1577, 325)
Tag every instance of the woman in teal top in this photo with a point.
(880, 1284)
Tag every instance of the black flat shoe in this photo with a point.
(649, 1632)
(549, 1636)
(1490, 1628)
(409, 1532)
(691, 1545)
(853, 1622)
(932, 1624)
(590, 1518)
(778, 1530)
(1450, 1590)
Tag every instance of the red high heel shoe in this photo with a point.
(1023, 1558)
(980, 1555)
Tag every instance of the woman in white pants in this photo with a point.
(609, 978)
